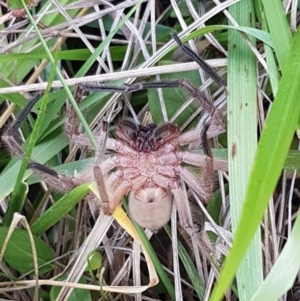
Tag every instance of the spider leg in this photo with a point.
(193, 183)
(109, 200)
(110, 206)
(71, 120)
(82, 138)
(200, 160)
(205, 190)
(183, 208)
(118, 187)
(190, 137)
(208, 169)
(98, 173)
(216, 127)
(51, 177)
(217, 124)
(196, 58)
(9, 137)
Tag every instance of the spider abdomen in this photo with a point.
(151, 207)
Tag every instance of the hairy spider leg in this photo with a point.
(9, 137)
(206, 162)
(71, 121)
(60, 182)
(208, 169)
(183, 208)
(98, 174)
(196, 58)
(217, 124)
(52, 178)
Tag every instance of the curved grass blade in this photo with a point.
(279, 29)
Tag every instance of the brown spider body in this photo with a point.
(147, 164)
(146, 160)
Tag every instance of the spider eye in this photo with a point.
(143, 142)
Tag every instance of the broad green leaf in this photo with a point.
(17, 4)
(18, 253)
(76, 295)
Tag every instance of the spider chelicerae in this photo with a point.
(146, 162)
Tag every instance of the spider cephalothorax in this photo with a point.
(151, 158)
(145, 138)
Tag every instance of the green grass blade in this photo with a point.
(279, 29)
(41, 153)
(257, 33)
(268, 163)
(15, 205)
(273, 71)
(242, 140)
(18, 253)
(19, 70)
(59, 209)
